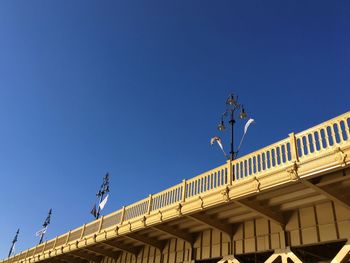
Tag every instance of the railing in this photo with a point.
(309, 143)
(275, 155)
(324, 136)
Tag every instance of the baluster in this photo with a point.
(314, 141)
(154, 203)
(161, 201)
(334, 138)
(326, 137)
(302, 146)
(184, 190)
(149, 209)
(158, 201)
(255, 164)
(247, 167)
(340, 132)
(239, 169)
(244, 166)
(198, 186)
(275, 156)
(218, 178)
(307, 144)
(250, 167)
(211, 176)
(279, 154)
(123, 215)
(320, 139)
(268, 158)
(346, 127)
(263, 163)
(282, 153)
(285, 152)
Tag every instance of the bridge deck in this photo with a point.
(293, 193)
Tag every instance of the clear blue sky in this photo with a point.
(136, 88)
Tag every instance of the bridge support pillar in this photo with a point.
(343, 254)
(283, 255)
(229, 259)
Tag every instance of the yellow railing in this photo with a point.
(306, 144)
(324, 136)
(275, 155)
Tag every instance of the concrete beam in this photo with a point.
(121, 247)
(146, 241)
(70, 259)
(332, 196)
(86, 256)
(103, 252)
(175, 233)
(262, 211)
(212, 223)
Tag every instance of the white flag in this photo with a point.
(217, 139)
(41, 232)
(103, 203)
(246, 126)
(13, 250)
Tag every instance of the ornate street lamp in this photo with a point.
(232, 106)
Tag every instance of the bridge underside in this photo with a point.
(307, 220)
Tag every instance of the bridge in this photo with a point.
(287, 202)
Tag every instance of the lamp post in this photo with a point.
(232, 106)
(46, 223)
(13, 244)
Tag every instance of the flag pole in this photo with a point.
(104, 189)
(13, 243)
(46, 223)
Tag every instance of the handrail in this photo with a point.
(329, 134)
